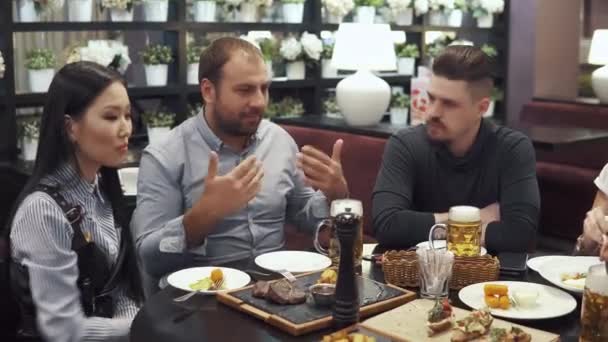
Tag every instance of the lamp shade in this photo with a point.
(598, 54)
(364, 47)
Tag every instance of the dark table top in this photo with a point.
(203, 318)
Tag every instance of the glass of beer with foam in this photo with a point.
(463, 231)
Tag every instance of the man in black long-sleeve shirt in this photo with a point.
(457, 158)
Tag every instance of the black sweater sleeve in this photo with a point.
(519, 200)
(395, 223)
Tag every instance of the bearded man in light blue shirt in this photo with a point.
(223, 184)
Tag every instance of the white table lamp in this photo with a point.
(363, 97)
(599, 55)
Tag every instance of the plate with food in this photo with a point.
(569, 274)
(293, 261)
(518, 300)
(536, 263)
(207, 279)
(441, 244)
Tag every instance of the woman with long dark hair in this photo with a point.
(72, 266)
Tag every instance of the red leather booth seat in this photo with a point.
(361, 158)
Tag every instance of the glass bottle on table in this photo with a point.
(594, 312)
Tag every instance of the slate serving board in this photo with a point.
(298, 319)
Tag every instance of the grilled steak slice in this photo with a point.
(260, 289)
(283, 292)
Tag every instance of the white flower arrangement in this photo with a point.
(119, 4)
(398, 6)
(445, 6)
(487, 7)
(258, 3)
(312, 46)
(291, 49)
(105, 52)
(2, 66)
(421, 7)
(340, 8)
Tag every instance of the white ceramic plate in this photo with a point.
(233, 279)
(128, 180)
(552, 270)
(535, 263)
(551, 302)
(293, 261)
(442, 244)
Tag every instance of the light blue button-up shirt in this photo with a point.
(172, 178)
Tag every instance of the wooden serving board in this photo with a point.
(374, 297)
(407, 323)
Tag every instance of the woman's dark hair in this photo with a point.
(72, 91)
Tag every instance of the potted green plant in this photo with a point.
(330, 107)
(402, 11)
(336, 10)
(156, 10)
(30, 10)
(366, 10)
(287, 107)
(40, 64)
(439, 11)
(159, 124)
(327, 70)
(204, 10)
(484, 11)
(399, 108)
(156, 60)
(293, 11)
(456, 15)
(270, 51)
(28, 129)
(80, 10)
(120, 10)
(497, 95)
(406, 58)
(297, 53)
(489, 50)
(193, 55)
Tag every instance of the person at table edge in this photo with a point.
(222, 185)
(458, 158)
(594, 239)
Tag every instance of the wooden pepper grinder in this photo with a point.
(347, 215)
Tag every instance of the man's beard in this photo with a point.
(235, 127)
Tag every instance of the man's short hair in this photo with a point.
(466, 63)
(217, 54)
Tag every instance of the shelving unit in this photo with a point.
(178, 94)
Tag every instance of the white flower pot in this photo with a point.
(405, 17)
(156, 134)
(156, 10)
(296, 70)
(406, 66)
(485, 21)
(204, 11)
(366, 14)
(269, 71)
(80, 10)
(455, 18)
(248, 13)
(40, 80)
(156, 75)
(399, 116)
(27, 11)
(193, 73)
(327, 70)
(490, 111)
(334, 19)
(436, 18)
(293, 13)
(121, 15)
(29, 147)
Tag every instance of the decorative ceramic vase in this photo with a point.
(366, 14)
(80, 10)
(40, 80)
(29, 148)
(27, 11)
(204, 11)
(485, 21)
(327, 70)
(293, 13)
(405, 17)
(156, 134)
(121, 15)
(406, 66)
(248, 13)
(296, 70)
(156, 10)
(399, 116)
(156, 75)
(193, 73)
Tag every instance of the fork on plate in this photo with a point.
(216, 286)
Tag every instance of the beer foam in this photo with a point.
(597, 284)
(464, 213)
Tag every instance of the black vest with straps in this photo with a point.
(96, 279)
